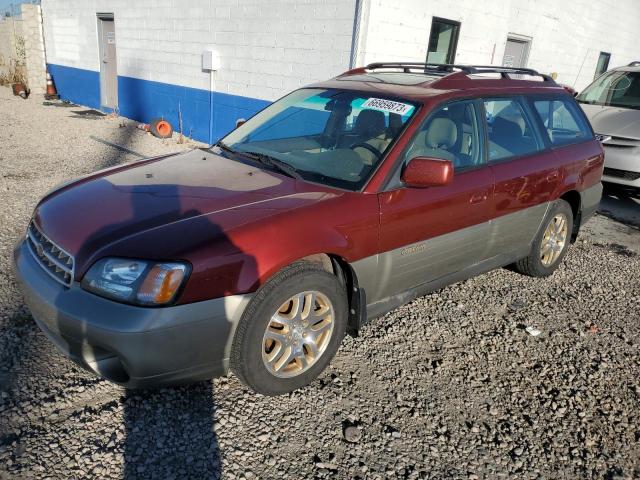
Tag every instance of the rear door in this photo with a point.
(526, 171)
(429, 233)
(571, 139)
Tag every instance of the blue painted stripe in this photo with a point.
(144, 100)
(76, 84)
(229, 108)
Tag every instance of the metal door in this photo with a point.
(108, 66)
(515, 53)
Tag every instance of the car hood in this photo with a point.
(614, 121)
(88, 215)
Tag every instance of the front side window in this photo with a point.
(329, 136)
(509, 130)
(449, 133)
(562, 122)
(615, 88)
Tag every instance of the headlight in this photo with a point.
(135, 281)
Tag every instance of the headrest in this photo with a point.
(505, 128)
(369, 123)
(441, 133)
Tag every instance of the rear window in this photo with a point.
(509, 130)
(562, 122)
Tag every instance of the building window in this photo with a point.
(443, 41)
(603, 63)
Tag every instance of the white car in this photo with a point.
(612, 103)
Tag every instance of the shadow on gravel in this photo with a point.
(21, 350)
(621, 205)
(169, 433)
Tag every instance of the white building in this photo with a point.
(145, 57)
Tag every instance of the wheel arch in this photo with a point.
(341, 268)
(573, 198)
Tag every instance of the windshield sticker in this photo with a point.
(388, 106)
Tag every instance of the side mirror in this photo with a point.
(427, 172)
(240, 122)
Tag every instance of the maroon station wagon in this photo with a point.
(332, 206)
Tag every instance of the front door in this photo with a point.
(108, 67)
(427, 234)
(515, 53)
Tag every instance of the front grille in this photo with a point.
(622, 142)
(55, 261)
(624, 174)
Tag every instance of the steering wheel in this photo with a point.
(366, 146)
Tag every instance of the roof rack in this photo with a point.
(634, 64)
(447, 68)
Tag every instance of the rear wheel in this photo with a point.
(290, 330)
(551, 244)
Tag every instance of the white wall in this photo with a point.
(10, 30)
(267, 47)
(34, 48)
(567, 37)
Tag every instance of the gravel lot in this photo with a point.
(450, 386)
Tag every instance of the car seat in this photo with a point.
(508, 135)
(370, 127)
(437, 141)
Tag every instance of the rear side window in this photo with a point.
(564, 125)
(509, 129)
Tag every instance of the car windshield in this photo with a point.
(329, 136)
(615, 88)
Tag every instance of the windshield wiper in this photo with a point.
(223, 146)
(274, 163)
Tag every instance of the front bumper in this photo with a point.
(622, 165)
(129, 345)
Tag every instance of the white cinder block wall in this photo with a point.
(10, 30)
(566, 37)
(267, 47)
(270, 47)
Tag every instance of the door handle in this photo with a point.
(593, 161)
(478, 198)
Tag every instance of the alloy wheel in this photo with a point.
(554, 240)
(298, 334)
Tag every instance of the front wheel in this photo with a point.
(290, 330)
(551, 244)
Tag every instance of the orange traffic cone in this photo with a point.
(52, 93)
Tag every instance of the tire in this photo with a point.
(534, 265)
(160, 128)
(253, 349)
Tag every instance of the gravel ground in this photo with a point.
(449, 386)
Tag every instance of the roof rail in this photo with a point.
(634, 64)
(446, 68)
